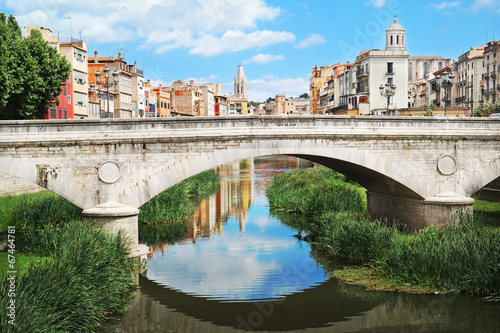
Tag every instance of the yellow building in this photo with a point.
(237, 106)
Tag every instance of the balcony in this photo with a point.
(487, 76)
(362, 73)
(492, 91)
(493, 76)
(362, 90)
(460, 99)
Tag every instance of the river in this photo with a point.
(240, 269)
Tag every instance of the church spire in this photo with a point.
(240, 84)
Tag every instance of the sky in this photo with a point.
(277, 42)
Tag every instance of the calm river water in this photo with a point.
(240, 269)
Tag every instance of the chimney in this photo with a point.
(96, 59)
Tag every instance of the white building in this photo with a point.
(138, 94)
(375, 68)
(208, 97)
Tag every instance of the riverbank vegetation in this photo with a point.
(464, 256)
(72, 276)
(164, 219)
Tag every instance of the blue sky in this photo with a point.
(278, 42)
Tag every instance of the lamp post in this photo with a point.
(107, 84)
(446, 82)
(387, 91)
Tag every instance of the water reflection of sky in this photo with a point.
(263, 262)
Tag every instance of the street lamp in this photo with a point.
(387, 91)
(446, 82)
(107, 84)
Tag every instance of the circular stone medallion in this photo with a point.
(109, 172)
(447, 164)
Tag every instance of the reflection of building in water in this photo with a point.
(234, 197)
(236, 193)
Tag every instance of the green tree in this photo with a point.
(484, 110)
(304, 95)
(31, 72)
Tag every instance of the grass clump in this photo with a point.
(88, 277)
(314, 190)
(36, 210)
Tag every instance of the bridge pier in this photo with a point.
(114, 217)
(417, 213)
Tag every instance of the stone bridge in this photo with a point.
(419, 170)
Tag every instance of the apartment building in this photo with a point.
(317, 83)
(469, 76)
(237, 106)
(440, 96)
(73, 102)
(491, 72)
(150, 99)
(221, 106)
(120, 81)
(184, 99)
(138, 94)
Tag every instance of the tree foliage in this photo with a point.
(31, 72)
(485, 109)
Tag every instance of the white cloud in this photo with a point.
(260, 89)
(157, 83)
(483, 3)
(202, 80)
(445, 5)
(378, 3)
(310, 41)
(237, 40)
(161, 25)
(262, 58)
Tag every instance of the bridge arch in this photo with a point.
(415, 168)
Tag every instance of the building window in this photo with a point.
(64, 90)
(60, 113)
(79, 56)
(391, 40)
(80, 78)
(390, 68)
(65, 113)
(397, 40)
(53, 112)
(69, 99)
(81, 99)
